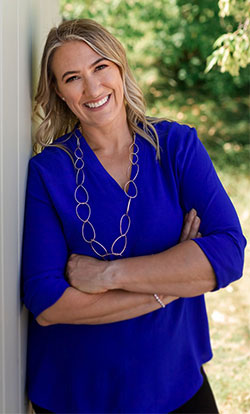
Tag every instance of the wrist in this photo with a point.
(159, 300)
(111, 274)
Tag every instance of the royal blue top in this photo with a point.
(151, 363)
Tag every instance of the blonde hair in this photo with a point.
(55, 116)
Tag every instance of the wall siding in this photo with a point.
(18, 38)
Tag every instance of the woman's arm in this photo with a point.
(199, 265)
(182, 271)
(45, 291)
(164, 272)
(75, 307)
(191, 268)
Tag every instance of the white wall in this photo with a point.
(23, 27)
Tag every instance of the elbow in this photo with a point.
(237, 258)
(225, 251)
(42, 320)
(232, 266)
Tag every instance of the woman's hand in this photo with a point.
(90, 275)
(191, 226)
(86, 273)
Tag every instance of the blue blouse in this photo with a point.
(151, 363)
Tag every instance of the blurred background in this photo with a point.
(190, 59)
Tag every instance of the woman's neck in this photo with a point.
(108, 140)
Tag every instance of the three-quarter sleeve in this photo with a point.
(45, 251)
(199, 187)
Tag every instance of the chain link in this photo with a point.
(83, 209)
(81, 190)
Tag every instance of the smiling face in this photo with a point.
(90, 85)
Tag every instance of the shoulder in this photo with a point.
(171, 130)
(52, 156)
(175, 138)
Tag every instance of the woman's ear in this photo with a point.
(60, 95)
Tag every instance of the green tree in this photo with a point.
(232, 50)
(167, 41)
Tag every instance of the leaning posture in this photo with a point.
(126, 227)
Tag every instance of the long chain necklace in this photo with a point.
(83, 209)
(125, 221)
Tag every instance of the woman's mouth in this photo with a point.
(99, 104)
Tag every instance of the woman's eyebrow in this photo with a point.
(97, 61)
(70, 72)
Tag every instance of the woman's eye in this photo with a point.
(100, 67)
(72, 78)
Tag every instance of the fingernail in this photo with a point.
(193, 212)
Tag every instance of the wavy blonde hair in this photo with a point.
(56, 119)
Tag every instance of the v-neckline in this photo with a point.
(98, 166)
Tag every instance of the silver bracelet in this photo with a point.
(159, 300)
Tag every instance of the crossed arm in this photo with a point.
(105, 292)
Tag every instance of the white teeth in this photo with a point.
(97, 104)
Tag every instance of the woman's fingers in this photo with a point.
(194, 228)
(84, 273)
(191, 226)
(188, 220)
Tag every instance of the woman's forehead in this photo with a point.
(75, 48)
(76, 53)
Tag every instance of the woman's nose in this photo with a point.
(91, 88)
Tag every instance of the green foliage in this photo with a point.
(167, 43)
(239, 9)
(232, 50)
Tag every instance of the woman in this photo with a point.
(118, 320)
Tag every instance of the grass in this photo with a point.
(223, 127)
